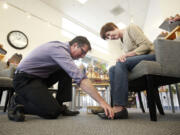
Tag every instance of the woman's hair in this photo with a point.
(107, 27)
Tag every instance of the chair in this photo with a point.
(6, 75)
(149, 75)
(171, 96)
(178, 93)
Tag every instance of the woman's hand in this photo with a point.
(122, 58)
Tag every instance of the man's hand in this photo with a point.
(108, 110)
(87, 86)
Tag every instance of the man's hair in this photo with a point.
(81, 41)
(107, 27)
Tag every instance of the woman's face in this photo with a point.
(113, 35)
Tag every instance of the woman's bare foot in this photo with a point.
(117, 108)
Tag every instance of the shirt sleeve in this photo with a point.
(143, 44)
(63, 58)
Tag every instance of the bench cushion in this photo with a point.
(145, 68)
(6, 82)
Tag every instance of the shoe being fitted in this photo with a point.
(68, 112)
(97, 110)
(118, 115)
(15, 111)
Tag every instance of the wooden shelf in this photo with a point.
(96, 84)
(172, 34)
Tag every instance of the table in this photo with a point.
(99, 84)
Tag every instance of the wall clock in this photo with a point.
(17, 39)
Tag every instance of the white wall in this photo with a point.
(170, 7)
(36, 29)
(114, 47)
(158, 11)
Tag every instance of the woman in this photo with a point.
(136, 47)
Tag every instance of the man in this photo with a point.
(44, 66)
(136, 48)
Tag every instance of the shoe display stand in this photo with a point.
(76, 93)
(90, 108)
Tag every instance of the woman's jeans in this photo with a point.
(118, 75)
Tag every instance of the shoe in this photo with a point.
(98, 110)
(119, 115)
(15, 111)
(67, 112)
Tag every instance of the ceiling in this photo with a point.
(95, 13)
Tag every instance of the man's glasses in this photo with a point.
(82, 51)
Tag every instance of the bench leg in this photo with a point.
(150, 97)
(8, 98)
(158, 102)
(140, 101)
(1, 91)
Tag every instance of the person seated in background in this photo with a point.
(172, 19)
(14, 60)
(2, 52)
(47, 64)
(136, 47)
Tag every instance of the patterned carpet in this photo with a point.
(89, 124)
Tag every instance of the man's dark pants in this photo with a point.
(33, 93)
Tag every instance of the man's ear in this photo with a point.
(75, 45)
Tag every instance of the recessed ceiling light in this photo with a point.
(5, 5)
(117, 10)
(82, 1)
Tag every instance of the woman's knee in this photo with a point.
(121, 64)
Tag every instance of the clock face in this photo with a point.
(17, 39)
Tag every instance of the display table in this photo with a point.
(97, 85)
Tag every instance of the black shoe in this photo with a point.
(68, 112)
(96, 111)
(15, 111)
(119, 115)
